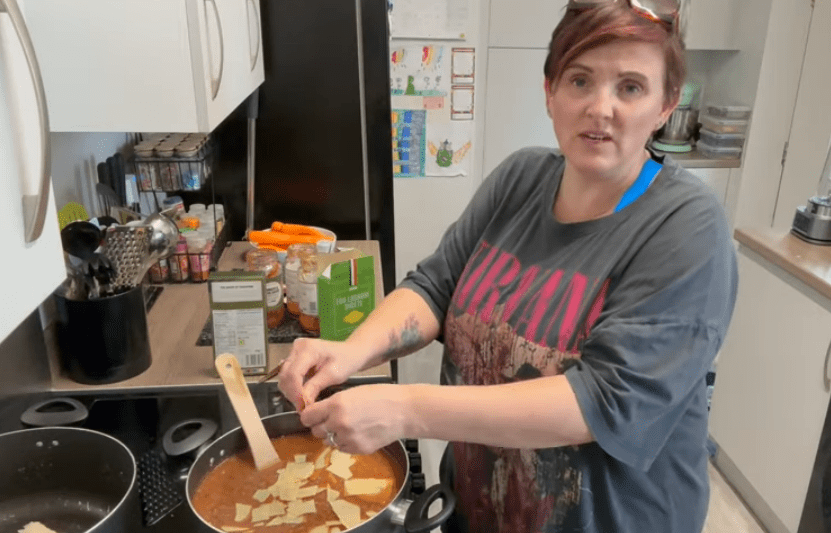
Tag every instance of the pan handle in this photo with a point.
(417, 519)
(39, 416)
(205, 430)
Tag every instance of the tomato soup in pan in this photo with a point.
(313, 488)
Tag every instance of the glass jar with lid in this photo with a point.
(268, 262)
(293, 256)
(307, 294)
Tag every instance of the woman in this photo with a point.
(581, 299)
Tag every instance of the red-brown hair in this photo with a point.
(582, 30)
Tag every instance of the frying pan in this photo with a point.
(401, 515)
(69, 479)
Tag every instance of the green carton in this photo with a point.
(345, 294)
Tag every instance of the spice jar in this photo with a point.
(268, 262)
(169, 170)
(293, 254)
(199, 257)
(307, 294)
(160, 271)
(148, 173)
(179, 263)
(191, 169)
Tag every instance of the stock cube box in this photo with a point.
(345, 293)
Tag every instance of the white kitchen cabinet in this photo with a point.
(146, 65)
(770, 400)
(515, 115)
(717, 179)
(529, 24)
(30, 270)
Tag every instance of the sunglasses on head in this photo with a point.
(662, 11)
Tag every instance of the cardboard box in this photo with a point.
(345, 293)
(238, 310)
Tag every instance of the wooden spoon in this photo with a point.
(261, 448)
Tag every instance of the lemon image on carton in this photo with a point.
(353, 317)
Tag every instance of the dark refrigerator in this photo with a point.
(322, 143)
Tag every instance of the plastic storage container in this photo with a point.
(730, 112)
(722, 140)
(713, 152)
(721, 125)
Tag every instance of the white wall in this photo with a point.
(75, 157)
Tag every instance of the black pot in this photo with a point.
(68, 479)
(402, 514)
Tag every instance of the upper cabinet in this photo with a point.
(710, 27)
(145, 65)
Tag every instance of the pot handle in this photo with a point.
(417, 519)
(205, 430)
(38, 416)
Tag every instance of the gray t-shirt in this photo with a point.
(632, 307)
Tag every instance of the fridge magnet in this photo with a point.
(448, 147)
(409, 143)
(419, 71)
(461, 102)
(462, 66)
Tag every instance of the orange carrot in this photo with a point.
(298, 229)
(280, 239)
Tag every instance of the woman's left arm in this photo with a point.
(536, 413)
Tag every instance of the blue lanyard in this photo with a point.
(645, 178)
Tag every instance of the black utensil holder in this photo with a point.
(103, 340)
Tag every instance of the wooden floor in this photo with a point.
(727, 512)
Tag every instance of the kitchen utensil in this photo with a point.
(68, 479)
(106, 196)
(231, 374)
(120, 179)
(71, 212)
(127, 247)
(164, 237)
(99, 272)
(80, 239)
(812, 222)
(412, 514)
(157, 491)
(115, 181)
(679, 128)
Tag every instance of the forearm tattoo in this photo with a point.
(406, 341)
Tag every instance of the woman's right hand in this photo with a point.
(315, 364)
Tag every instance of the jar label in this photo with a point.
(274, 295)
(307, 298)
(291, 281)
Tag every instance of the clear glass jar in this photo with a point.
(293, 256)
(307, 294)
(268, 262)
(199, 257)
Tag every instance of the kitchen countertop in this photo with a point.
(696, 159)
(175, 322)
(809, 263)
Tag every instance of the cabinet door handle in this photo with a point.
(34, 206)
(215, 83)
(825, 378)
(256, 54)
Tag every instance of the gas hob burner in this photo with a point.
(812, 222)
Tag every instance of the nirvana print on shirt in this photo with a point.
(498, 328)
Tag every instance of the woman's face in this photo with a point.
(607, 104)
